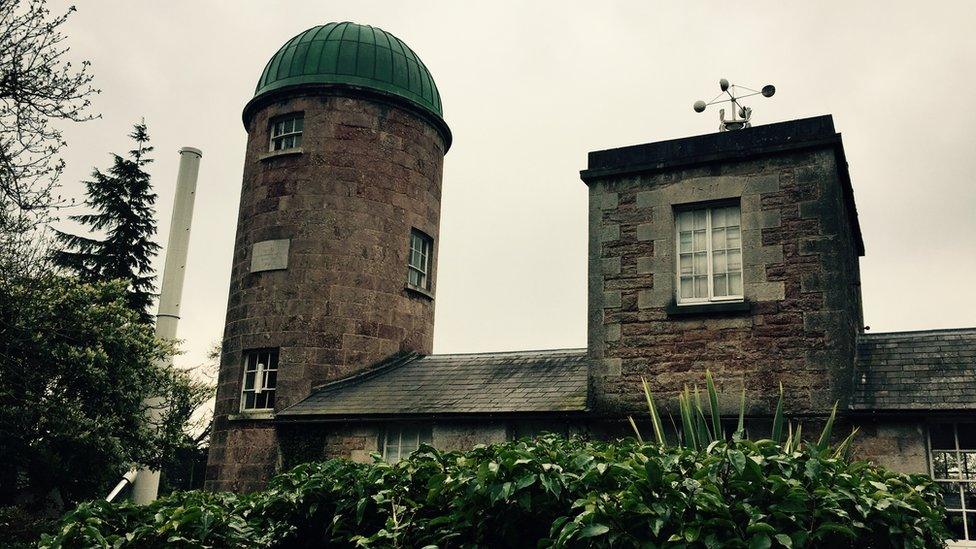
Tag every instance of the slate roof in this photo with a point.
(927, 370)
(482, 383)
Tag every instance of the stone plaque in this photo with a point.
(269, 255)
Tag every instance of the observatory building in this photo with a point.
(735, 252)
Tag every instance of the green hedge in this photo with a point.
(548, 492)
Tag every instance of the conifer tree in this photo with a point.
(123, 204)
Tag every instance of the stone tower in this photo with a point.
(335, 257)
(735, 252)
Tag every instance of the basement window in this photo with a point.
(709, 252)
(260, 379)
(419, 260)
(400, 441)
(953, 462)
(286, 132)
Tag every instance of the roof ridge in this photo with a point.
(390, 363)
(971, 329)
(566, 350)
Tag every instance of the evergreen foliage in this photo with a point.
(77, 368)
(704, 492)
(124, 212)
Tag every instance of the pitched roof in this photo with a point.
(481, 383)
(926, 370)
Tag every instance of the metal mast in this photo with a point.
(146, 485)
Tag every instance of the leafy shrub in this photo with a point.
(547, 492)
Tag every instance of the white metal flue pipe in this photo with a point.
(146, 485)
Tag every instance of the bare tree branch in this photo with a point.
(38, 86)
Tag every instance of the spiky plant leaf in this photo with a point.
(713, 406)
(777, 435)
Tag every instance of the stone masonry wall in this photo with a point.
(900, 445)
(367, 173)
(800, 274)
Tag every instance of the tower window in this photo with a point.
(286, 132)
(709, 246)
(260, 379)
(418, 264)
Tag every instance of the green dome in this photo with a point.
(353, 55)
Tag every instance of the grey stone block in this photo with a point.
(609, 233)
(646, 265)
(609, 201)
(762, 219)
(765, 291)
(611, 299)
(613, 332)
(646, 231)
(610, 266)
(613, 366)
(655, 297)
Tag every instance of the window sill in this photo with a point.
(418, 291)
(674, 310)
(256, 415)
(278, 154)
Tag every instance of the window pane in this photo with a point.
(249, 381)
(735, 284)
(298, 140)
(942, 437)
(248, 401)
(971, 518)
(685, 266)
(952, 494)
(278, 128)
(718, 217)
(969, 497)
(684, 240)
(699, 219)
(687, 287)
(954, 524)
(718, 239)
(299, 124)
(732, 238)
(699, 241)
(719, 288)
(967, 436)
(718, 263)
(413, 277)
(944, 465)
(735, 260)
(733, 216)
(701, 264)
(270, 396)
(261, 400)
(685, 221)
(701, 286)
(271, 378)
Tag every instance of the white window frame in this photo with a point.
(426, 253)
(971, 542)
(281, 137)
(413, 434)
(708, 257)
(262, 370)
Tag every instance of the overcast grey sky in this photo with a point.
(528, 90)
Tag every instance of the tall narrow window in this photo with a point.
(709, 243)
(286, 132)
(400, 442)
(260, 379)
(418, 264)
(953, 447)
